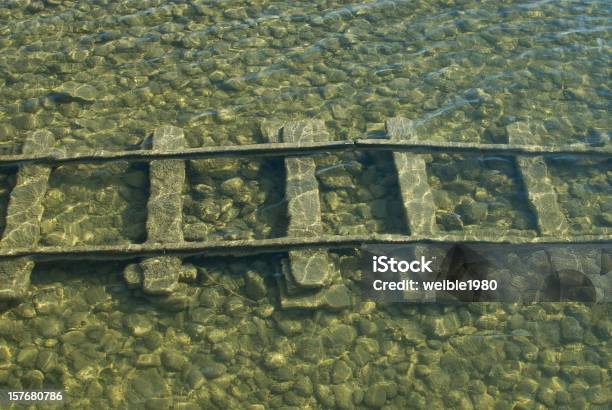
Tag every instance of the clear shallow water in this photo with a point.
(215, 346)
(583, 189)
(104, 74)
(462, 71)
(235, 199)
(479, 191)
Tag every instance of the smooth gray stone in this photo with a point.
(577, 258)
(542, 196)
(603, 287)
(579, 271)
(537, 261)
(271, 130)
(132, 274)
(78, 91)
(255, 285)
(39, 142)
(473, 212)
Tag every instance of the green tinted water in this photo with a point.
(463, 70)
(103, 74)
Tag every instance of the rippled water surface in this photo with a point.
(103, 74)
(462, 70)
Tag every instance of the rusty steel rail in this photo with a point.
(277, 245)
(282, 149)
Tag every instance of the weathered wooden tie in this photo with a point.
(419, 208)
(24, 213)
(305, 269)
(540, 191)
(160, 275)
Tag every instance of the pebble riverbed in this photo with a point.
(221, 343)
(103, 74)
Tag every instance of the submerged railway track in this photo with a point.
(308, 280)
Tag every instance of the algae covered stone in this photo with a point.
(149, 383)
(472, 212)
(255, 286)
(15, 276)
(341, 372)
(232, 187)
(160, 275)
(49, 327)
(173, 360)
(138, 324)
(132, 274)
(375, 396)
(77, 91)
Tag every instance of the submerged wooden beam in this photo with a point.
(305, 268)
(309, 281)
(542, 196)
(24, 213)
(166, 181)
(160, 275)
(540, 190)
(419, 208)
